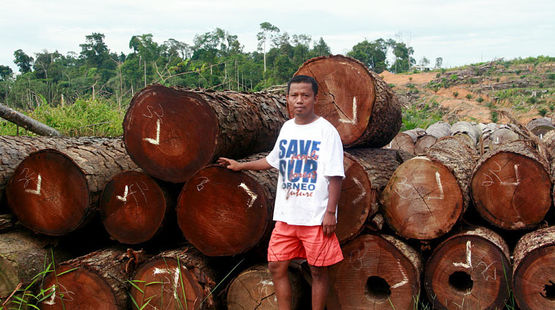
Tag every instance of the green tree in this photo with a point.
(403, 56)
(5, 73)
(439, 62)
(320, 49)
(267, 32)
(372, 54)
(23, 61)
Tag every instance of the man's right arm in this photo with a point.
(259, 164)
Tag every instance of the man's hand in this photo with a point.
(329, 223)
(229, 163)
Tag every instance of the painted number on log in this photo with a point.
(343, 117)
(27, 178)
(130, 192)
(468, 263)
(176, 276)
(159, 113)
(405, 279)
(266, 289)
(492, 177)
(362, 191)
(408, 191)
(64, 293)
(200, 185)
(251, 194)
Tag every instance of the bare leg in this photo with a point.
(281, 283)
(320, 285)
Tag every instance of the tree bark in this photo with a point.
(403, 142)
(171, 133)
(22, 257)
(378, 272)
(174, 279)
(254, 289)
(26, 122)
(534, 270)
(511, 186)
(469, 270)
(98, 280)
(54, 191)
(355, 100)
(426, 196)
(225, 213)
(133, 207)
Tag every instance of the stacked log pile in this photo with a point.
(453, 216)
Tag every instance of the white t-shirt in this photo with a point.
(305, 156)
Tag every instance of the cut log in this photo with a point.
(23, 256)
(354, 99)
(439, 129)
(174, 279)
(540, 126)
(225, 213)
(53, 192)
(26, 122)
(499, 137)
(403, 142)
(133, 207)
(426, 196)
(511, 186)
(14, 149)
(467, 130)
(534, 270)
(172, 133)
(415, 133)
(423, 144)
(367, 171)
(253, 289)
(98, 280)
(378, 272)
(469, 270)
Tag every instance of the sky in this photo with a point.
(460, 31)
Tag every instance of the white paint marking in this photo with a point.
(249, 192)
(489, 179)
(344, 119)
(125, 193)
(159, 271)
(157, 140)
(362, 192)
(486, 276)
(176, 283)
(35, 191)
(405, 279)
(438, 181)
(468, 263)
(52, 300)
(203, 181)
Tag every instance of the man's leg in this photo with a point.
(320, 286)
(281, 283)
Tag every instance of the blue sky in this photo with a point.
(461, 32)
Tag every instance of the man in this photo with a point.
(309, 156)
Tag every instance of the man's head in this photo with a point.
(302, 96)
(303, 79)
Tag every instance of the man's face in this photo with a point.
(302, 99)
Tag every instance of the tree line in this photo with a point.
(215, 60)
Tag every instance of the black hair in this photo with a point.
(303, 79)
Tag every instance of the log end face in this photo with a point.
(170, 133)
(132, 206)
(534, 279)
(222, 212)
(78, 288)
(49, 193)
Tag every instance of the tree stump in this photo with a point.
(403, 142)
(355, 100)
(253, 289)
(511, 186)
(223, 212)
(98, 280)
(534, 270)
(469, 270)
(175, 279)
(53, 192)
(367, 171)
(133, 207)
(171, 133)
(426, 196)
(378, 272)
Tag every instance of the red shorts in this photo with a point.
(293, 241)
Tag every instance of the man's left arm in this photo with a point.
(334, 190)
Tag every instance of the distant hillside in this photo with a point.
(475, 92)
